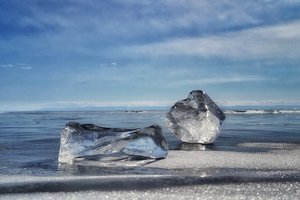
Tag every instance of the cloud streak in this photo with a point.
(7, 66)
(272, 42)
(16, 66)
(218, 80)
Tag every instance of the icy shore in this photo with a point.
(184, 174)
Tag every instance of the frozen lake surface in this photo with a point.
(256, 155)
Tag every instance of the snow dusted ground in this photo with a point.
(261, 190)
(272, 174)
(279, 156)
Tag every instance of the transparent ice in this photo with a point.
(90, 142)
(196, 119)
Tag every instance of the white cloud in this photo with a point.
(218, 80)
(17, 66)
(7, 66)
(286, 102)
(279, 41)
(93, 19)
(67, 104)
(26, 106)
(106, 27)
(25, 67)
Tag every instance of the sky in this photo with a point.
(78, 53)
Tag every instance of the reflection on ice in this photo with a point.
(81, 142)
(193, 147)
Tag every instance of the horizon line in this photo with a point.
(137, 105)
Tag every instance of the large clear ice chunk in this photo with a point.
(196, 119)
(88, 141)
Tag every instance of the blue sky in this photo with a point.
(136, 53)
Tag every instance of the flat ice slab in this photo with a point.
(88, 141)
